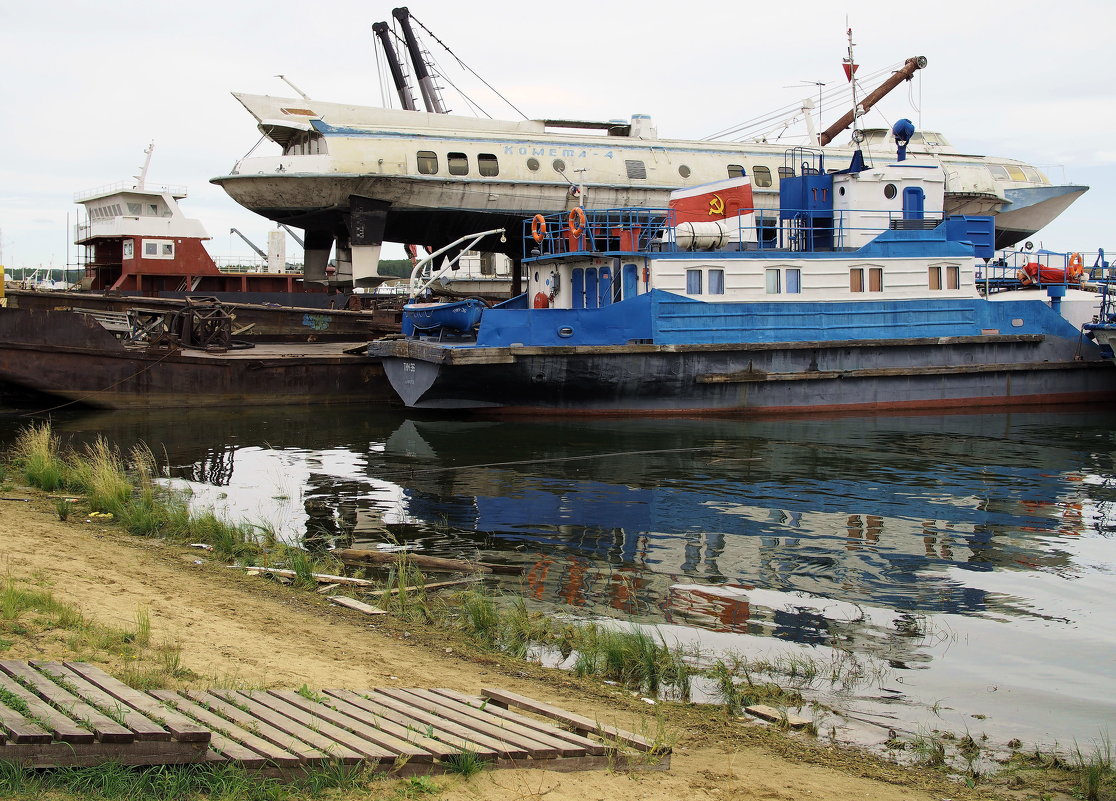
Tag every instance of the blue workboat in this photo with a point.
(857, 293)
(440, 318)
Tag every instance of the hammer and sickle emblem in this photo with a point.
(716, 206)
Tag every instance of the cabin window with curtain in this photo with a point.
(875, 279)
(487, 164)
(716, 282)
(735, 171)
(934, 277)
(856, 279)
(693, 282)
(761, 176)
(773, 281)
(953, 277)
(427, 162)
(794, 280)
(458, 163)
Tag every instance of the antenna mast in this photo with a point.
(142, 177)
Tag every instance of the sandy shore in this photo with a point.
(234, 627)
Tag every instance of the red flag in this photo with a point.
(850, 69)
(714, 201)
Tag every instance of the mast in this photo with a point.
(429, 92)
(401, 85)
(904, 73)
(142, 177)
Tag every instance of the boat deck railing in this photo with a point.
(643, 230)
(177, 191)
(1015, 269)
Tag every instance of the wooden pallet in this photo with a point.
(402, 731)
(74, 714)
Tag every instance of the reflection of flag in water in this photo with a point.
(715, 201)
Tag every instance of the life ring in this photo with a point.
(541, 301)
(1076, 266)
(538, 227)
(577, 221)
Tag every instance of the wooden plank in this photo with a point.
(323, 578)
(144, 728)
(373, 752)
(476, 720)
(426, 563)
(326, 746)
(568, 743)
(148, 752)
(359, 606)
(447, 745)
(20, 730)
(774, 715)
(62, 728)
(362, 709)
(578, 722)
(437, 585)
(305, 752)
(181, 728)
(444, 725)
(105, 728)
(257, 747)
(334, 714)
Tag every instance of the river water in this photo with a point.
(963, 564)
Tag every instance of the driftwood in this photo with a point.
(433, 563)
(321, 578)
(423, 587)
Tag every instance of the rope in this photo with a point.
(106, 389)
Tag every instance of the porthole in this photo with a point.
(841, 190)
(565, 332)
(890, 191)
(533, 164)
(684, 171)
(559, 165)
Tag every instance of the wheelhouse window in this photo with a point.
(761, 175)
(693, 282)
(487, 164)
(458, 163)
(427, 162)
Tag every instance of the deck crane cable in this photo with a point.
(466, 66)
(832, 98)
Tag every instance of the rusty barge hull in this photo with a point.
(70, 356)
(256, 321)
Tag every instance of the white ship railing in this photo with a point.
(178, 191)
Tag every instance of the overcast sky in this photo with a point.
(88, 85)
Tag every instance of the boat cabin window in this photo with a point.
(458, 163)
(158, 249)
(153, 209)
(533, 164)
(716, 282)
(693, 282)
(635, 168)
(427, 162)
(1015, 173)
(129, 249)
(487, 164)
(875, 279)
(306, 143)
(998, 172)
(779, 280)
(558, 165)
(856, 279)
(134, 209)
(952, 277)
(786, 172)
(761, 175)
(683, 170)
(890, 191)
(735, 171)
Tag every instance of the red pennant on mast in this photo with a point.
(850, 69)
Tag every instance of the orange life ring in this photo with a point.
(1076, 266)
(541, 301)
(538, 227)
(577, 221)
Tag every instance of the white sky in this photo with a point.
(88, 85)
